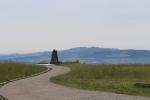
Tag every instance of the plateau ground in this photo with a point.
(106, 77)
(12, 70)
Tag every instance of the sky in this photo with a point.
(41, 25)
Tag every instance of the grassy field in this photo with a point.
(11, 70)
(108, 78)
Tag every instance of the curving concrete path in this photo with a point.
(40, 88)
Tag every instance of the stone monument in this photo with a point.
(54, 57)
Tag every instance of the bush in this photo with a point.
(70, 62)
(42, 62)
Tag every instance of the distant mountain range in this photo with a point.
(86, 55)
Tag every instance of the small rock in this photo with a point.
(142, 85)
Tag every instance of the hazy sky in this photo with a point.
(39, 25)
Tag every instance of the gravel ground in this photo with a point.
(2, 98)
(40, 88)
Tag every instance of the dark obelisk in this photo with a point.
(54, 58)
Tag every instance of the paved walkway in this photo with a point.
(40, 88)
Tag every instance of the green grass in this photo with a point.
(12, 70)
(109, 78)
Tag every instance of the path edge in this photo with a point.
(20, 78)
(25, 77)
